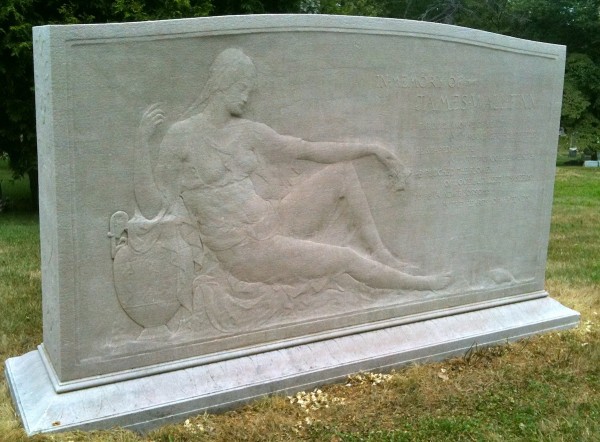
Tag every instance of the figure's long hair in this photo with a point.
(230, 66)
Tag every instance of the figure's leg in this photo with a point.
(312, 205)
(289, 260)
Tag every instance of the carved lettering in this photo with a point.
(445, 102)
(422, 81)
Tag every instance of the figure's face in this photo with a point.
(237, 96)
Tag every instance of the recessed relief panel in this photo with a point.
(251, 188)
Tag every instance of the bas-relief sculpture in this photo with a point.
(232, 249)
(238, 206)
(248, 207)
(204, 232)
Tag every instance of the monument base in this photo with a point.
(144, 403)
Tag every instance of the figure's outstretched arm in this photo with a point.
(147, 194)
(328, 152)
(335, 152)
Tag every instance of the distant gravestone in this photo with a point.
(238, 206)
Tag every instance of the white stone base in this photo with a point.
(144, 403)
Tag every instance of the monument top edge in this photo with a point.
(292, 22)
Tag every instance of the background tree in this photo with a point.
(497, 16)
(17, 105)
(367, 8)
(575, 23)
(581, 100)
(17, 102)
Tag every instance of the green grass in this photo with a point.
(545, 388)
(575, 235)
(20, 287)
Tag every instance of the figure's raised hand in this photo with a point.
(152, 117)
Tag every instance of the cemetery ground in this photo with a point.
(545, 388)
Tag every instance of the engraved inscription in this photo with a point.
(446, 102)
(423, 81)
(471, 184)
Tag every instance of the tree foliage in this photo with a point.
(367, 8)
(581, 100)
(17, 17)
(17, 104)
(575, 23)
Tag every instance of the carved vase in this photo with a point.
(151, 280)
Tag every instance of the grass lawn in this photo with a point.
(545, 388)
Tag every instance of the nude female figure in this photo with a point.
(205, 171)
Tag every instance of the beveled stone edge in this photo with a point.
(225, 25)
(554, 317)
(120, 376)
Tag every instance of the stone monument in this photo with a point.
(238, 206)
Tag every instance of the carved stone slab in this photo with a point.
(144, 403)
(217, 188)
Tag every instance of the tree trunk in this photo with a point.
(33, 186)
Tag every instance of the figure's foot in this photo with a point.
(430, 282)
(438, 282)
